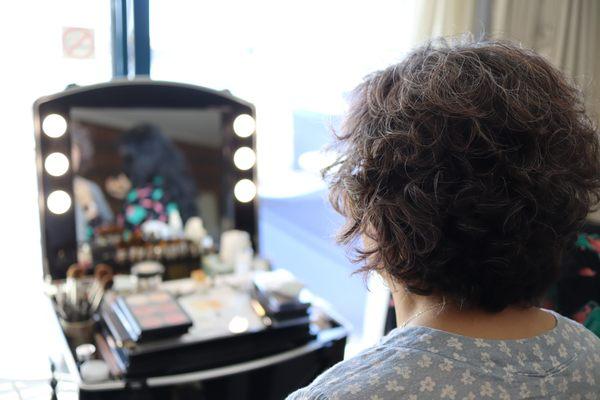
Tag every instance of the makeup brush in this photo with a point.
(105, 283)
(74, 275)
(60, 301)
(103, 278)
(100, 272)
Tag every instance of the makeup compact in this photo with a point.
(277, 295)
(149, 275)
(150, 315)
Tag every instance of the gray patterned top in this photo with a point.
(423, 363)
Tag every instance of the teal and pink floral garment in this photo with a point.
(147, 203)
(420, 363)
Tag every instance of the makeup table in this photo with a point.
(34, 346)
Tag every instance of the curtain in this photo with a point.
(436, 18)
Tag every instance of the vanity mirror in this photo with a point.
(126, 164)
(143, 181)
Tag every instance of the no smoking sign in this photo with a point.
(78, 43)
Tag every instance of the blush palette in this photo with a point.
(151, 315)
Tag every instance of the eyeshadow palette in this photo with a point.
(151, 315)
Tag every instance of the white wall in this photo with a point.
(33, 65)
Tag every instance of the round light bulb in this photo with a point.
(244, 190)
(54, 125)
(56, 164)
(59, 202)
(244, 125)
(244, 158)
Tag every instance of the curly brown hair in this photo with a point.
(470, 166)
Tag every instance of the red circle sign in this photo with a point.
(78, 43)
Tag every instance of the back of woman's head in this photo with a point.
(470, 166)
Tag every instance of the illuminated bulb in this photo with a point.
(54, 125)
(56, 164)
(244, 158)
(238, 324)
(244, 190)
(59, 202)
(244, 125)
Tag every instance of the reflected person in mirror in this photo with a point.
(155, 184)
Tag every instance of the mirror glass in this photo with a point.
(147, 172)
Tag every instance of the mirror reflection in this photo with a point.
(145, 176)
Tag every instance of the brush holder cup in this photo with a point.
(79, 332)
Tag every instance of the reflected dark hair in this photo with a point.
(148, 153)
(470, 166)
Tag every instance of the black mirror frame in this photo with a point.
(60, 251)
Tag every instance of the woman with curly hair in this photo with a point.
(466, 170)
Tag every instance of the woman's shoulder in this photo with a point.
(577, 334)
(379, 368)
(426, 361)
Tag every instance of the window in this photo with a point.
(297, 63)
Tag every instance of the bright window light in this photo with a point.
(244, 191)
(244, 158)
(54, 125)
(56, 164)
(244, 125)
(59, 202)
